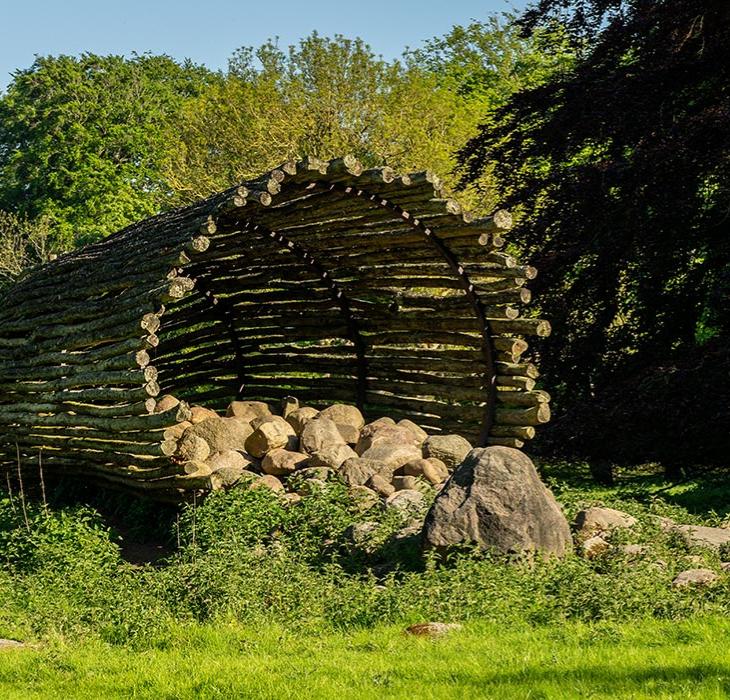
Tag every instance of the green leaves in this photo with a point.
(82, 140)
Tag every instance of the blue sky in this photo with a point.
(208, 32)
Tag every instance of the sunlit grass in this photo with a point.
(647, 660)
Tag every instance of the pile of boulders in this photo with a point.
(491, 497)
(291, 452)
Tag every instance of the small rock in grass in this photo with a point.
(380, 485)
(332, 456)
(407, 501)
(292, 498)
(319, 433)
(364, 498)
(633, 550)
(725, 565)
(695, 577)
(310, 486)
(300, 417)
(450, 449)
(281, 462)
(420, 434)
(267, 481)
(321, 473)
(247, 477)
(199, 413)
(360, 533)
(343, 414)
(432, 629)
(270, 435)
(594, 547)
(702, 536)
(11, 644)
(596, 520)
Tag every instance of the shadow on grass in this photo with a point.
(608, 680)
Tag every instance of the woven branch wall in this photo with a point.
(317, 280)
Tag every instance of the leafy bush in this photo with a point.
(245, 556)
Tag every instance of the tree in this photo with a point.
(619, 166)
(326, 97)
(23, 244)
(82, 139)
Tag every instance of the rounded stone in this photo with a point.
(380, 485)
(199, 413)
(267, 481)
(596, 520)
(393, 455)
(450, 449)
(407, 501)
(270, 435)
(695, 577)
(300, 417)
(344, 414)
(420, 434)
(281, 462)
(332, 456)
(364, 498)
(247, 410)
(373, 435)
(318, 434)
(495, 499)
(222, 433)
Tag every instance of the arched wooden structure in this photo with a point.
(318, 280)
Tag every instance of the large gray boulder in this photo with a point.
(495, 499)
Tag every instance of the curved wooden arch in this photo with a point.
(321, 280)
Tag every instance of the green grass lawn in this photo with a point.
(649, 659)
(264, 601)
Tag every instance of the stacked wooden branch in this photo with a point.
(319, 279)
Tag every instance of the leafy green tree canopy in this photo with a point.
(329, 96)
(82, 139)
